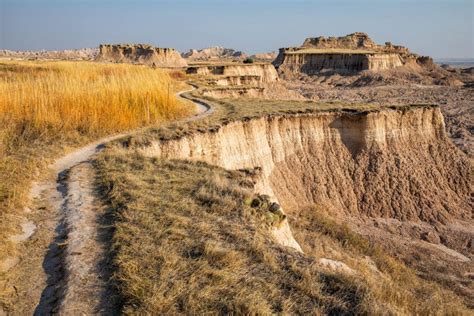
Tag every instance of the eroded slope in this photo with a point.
(392, 173)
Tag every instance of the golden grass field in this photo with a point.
(47, 108)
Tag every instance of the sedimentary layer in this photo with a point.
(315, 63)
(348, 54)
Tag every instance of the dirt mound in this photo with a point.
(141, 54)
(215, 52)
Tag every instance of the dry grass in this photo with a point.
(46, 107)
(389, 279)
(187, 241)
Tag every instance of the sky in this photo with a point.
(438, 28)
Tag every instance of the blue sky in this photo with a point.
(439, 28)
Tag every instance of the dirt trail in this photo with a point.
(73, 277)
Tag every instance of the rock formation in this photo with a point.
(393, 163)
(70, 54)
(141, 54)
(215, 52)
(235, 73)
(348, 54)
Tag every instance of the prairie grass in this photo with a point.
(47, 107)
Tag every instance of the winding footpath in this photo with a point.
(75, 262)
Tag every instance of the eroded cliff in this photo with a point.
(390, 163)
(141, 54)
(390, 173)
(348, 54)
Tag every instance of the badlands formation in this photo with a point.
(141, 54)
(352, 53)
(392, 173)
(339, 68)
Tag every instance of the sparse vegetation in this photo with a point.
(46, 107)
(248, 61)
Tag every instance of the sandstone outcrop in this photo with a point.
(215, 52)
(141, 54)
(348, 54)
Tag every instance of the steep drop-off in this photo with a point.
(395, 163)
(141, 54)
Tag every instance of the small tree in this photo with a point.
(248, 61)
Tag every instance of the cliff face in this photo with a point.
(336, 62)
(348, 54)
(392, 175)
(141, 54)
(239, 73)
(392, 163)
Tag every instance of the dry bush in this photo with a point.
(177, 74)
(47, 106)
